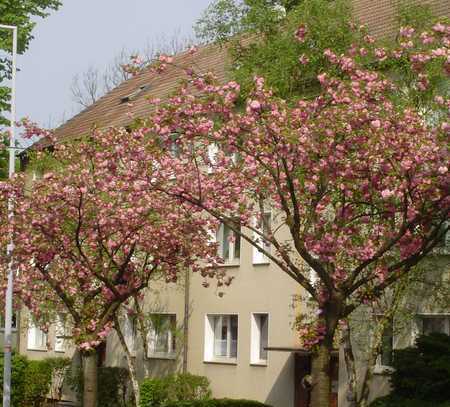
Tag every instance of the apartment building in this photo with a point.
(241, 337)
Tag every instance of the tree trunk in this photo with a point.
(320, 371)
(133, 378)
(130, 363)
(90, 379)
(352, 390)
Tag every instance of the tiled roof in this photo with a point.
(379, 15)
(111, 110)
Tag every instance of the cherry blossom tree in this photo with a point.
(90, 235)
(356, 177)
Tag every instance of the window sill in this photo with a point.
(236, 264)
(37, 349)
(231, 362)
(60, 351)
(261, 363)
(162, 356)
(262, 263)
(383, 370)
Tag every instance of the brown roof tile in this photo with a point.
(110, 110)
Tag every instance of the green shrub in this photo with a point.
(393, 401)
(421, 376)
(153, 392)
(113, 386)
(156, 392)
(216, 403)
(31, 379)
(187, 387)
(60, 368)
(18, 379)
(38, 376)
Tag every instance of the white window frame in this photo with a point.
(256, 337)
(231, 259)
(258, 256)
(32, 335)
(152, 338)
(210, 339)
(60, 333)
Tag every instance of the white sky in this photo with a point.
(86, 33)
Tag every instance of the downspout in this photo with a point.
(186, 320)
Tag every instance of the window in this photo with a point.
(445, 241)
(60, 332)
(387, 345)
(221, 337)
(174, 145)
(263, 225)
(37, 339)
(162, 335)
(229, 244)
(213, 149)
(434, 323)
(259, 338)
(13, 324)
(129, 333)
(214, 157)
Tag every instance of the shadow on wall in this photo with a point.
(282, 392)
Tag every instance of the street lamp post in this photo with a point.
(9, 290)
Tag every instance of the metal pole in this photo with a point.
(9, 290)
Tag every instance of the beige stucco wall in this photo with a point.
(255, 288)
(159, 298)
(259, 288)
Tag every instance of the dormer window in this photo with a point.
(134, 95)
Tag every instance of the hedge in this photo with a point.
(18, 378)
(216, 403)
(113, 386)
(421, 376)
(31, 379)
(394, 401)
(157, 392)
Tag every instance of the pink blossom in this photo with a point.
(376, 124)
(301, 32)
(386, 193)
(255, 105)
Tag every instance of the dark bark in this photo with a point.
(321, 357)
(321, 380)
(90, 379)
(352, 390)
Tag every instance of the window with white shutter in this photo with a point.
(259, 338)
(60, 332)
(229, 244)
(263, 225)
